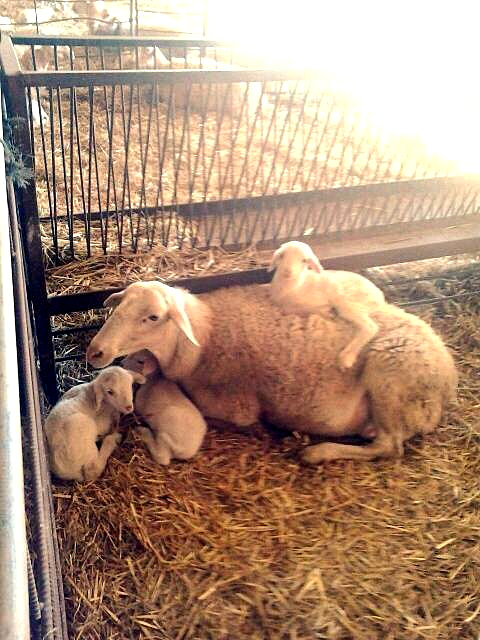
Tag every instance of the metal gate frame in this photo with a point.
(457, 231)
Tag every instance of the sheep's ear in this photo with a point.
(114, 299)
(178, 314)
(313, 263)
(98, 390)
(275, 259)
(138, 377)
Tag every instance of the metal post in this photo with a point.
(14, 611)
(27, 204)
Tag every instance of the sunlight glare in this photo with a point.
(412, 65)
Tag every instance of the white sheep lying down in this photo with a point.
(301, 285)
(178, 426)
(84, 414)
(254, 360)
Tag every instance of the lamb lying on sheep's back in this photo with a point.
(255, 360)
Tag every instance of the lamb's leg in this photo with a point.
(95, 469)
(159, 450)
(366, 329)
(384, 446)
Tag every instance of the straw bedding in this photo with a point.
(245, 542)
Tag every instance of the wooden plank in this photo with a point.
(352, 251)
(402, 242)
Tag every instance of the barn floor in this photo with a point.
(246, 542)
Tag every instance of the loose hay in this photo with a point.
(244, 542)
(161, 262)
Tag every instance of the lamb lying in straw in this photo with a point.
(177, 425)
(84, 414)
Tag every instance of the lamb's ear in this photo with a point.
(314, 264)
(178, 314)
(114, 299)
(98, 390)
(275, 259)
(138, 377)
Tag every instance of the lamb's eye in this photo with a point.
(140, 362)
(304, 261)
(110, 392)
(153, 318)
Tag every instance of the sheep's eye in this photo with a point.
(153, 318)
(304, 261)
(140, 362)
(110, 392)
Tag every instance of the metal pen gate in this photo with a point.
(136, 142)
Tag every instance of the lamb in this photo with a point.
(252, 360)
(301, 285)
(178, 426)
(85, 413)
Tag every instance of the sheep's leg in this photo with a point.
(384, 446)
(158, 449)
(95, 469)
(230, 404)
(366, 329)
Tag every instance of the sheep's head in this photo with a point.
(114, 386)
(142, 318)
(142, 362)
(292, 259)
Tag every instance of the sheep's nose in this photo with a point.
(95, 355)
(129, 408)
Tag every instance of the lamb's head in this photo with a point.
(113, 386)
(142, 362)
(292, 260)
(144, 316)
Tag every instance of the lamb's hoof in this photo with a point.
(320, 453)
(115, 437)
(347, 359)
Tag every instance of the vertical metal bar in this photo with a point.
(27, 203)
(80, 170)
(54, 170)
(144, 160)
(51, 590)
(178, 160)
(14, 613)
(36, 15)
(131, 16)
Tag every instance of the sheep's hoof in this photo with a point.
(369, 431)
(320, 453)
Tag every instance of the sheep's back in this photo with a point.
(291, 362)
(285, 357)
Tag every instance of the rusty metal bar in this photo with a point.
(161, 76)
(117, 41)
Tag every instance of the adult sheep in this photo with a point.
(253, 360)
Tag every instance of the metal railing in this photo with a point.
(14, 613)
(140, 142)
